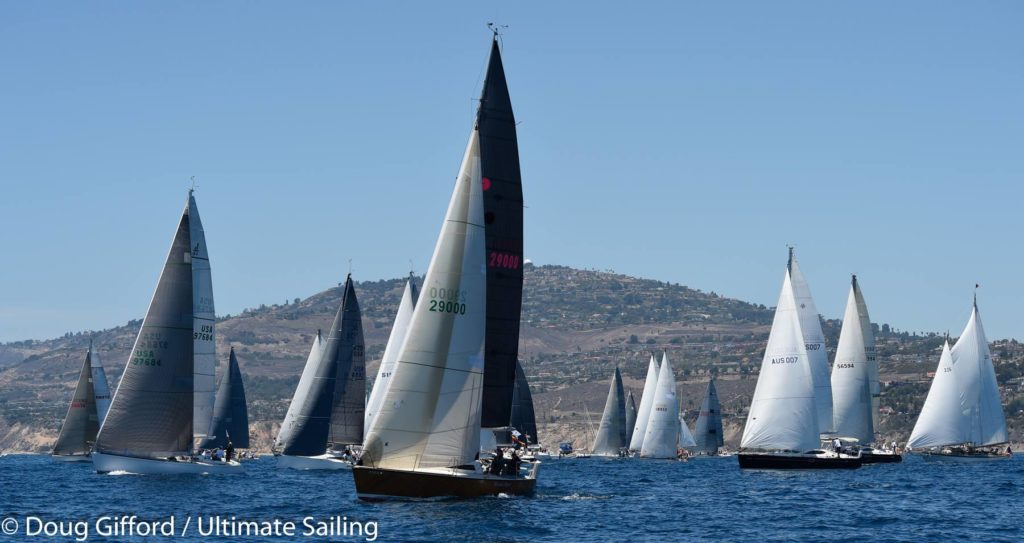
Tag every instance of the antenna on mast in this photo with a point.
(194, 185)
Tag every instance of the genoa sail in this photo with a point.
(941, 421)
(307, 422)
(630, 416)
(230, 414)
(387, 362)
(524, 417)
(643, 414)
(708, 434)
(611, 433)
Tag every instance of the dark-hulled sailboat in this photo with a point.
(230, 414)
(326, 413)
(164, 402)
(426, 438)
(88, 406)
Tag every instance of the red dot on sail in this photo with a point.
(486, 184)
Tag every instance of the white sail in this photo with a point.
(783, 412)
(387, 363)
(430, 416)
(979, 391)
(100, 388)
(686, 440)
(636, 441)
(814, 342)
(941, 421)
(301, 391)
(851, 373)
(204, 352)
(663, 425)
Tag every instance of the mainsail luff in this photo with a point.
(630, 416)
(151, 414)
(851, 374)
(814, 343)
(307, 422)
(81, 422)
(230, 413)
(431, 413)
(611, 433)
(524, 417)
(979, 390)
(204, 348)
(708, 434)
(503, 217)
(390, 357)
(662, 433)
(346, 346)
(643, 414)
(783, 410)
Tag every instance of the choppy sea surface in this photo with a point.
(577, 500)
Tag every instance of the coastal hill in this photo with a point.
(577, 326)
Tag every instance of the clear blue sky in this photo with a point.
(682, 141)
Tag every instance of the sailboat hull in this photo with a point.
(71, 458)
(797, 461)
(870, 457)
(322, 462)
(961, 457)
(108, 463)
(375, 484)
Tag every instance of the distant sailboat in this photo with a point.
(962, 417)
(230, 413)
(611, 433)
(425, 440)
(387, 362)
(686, 439)
(88, 406)
(346, 347)
(708, 434)
(630, 417)
(524, 417)
(662, 433)
(164, 402)
(643, 414)
(782, 427)
(814, 342)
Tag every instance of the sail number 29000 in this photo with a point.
(446, 300)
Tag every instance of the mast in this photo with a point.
(503, 219)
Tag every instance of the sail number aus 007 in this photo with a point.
(785, 360)
(446, 300)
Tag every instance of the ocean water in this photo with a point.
(577, 500)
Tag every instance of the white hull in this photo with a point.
(322, 462)
(71, 458)
(107, 463)
(960, 459)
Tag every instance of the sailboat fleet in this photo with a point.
(450, 385)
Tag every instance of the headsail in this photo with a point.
(307, 422)
(851, 373)
(100, 388)
(941, 421)
(81, 422)
(708, 434)
(524, 417)
(611, 433)
(503, 217)
(387, 362)
(431, 412)
(630, 416)
(663, 425)
(783, 411)
(230, 414)
(643, 414)
(345, 347)
(814, 343)
(686, 439)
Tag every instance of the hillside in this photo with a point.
(577, 325)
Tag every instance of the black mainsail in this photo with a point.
(708, 432)
(230, 414)
(345, 347)
(503, 220)
(523, 416)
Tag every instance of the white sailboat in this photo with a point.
(611, 433)
(88, 407)
(962, 417)
(782, 426)
(164, 402)
(387, 363)
(426, 437)
(814, 342)
(636, 441)
(662, 432)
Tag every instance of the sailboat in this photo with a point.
(164, 402)
(425, 440)
(387, 362)
(230, 414)
(643, 414)
(88, 407)
(611, 433)
(814, 342)
(855, 379)
(686, 439)
(630, 416)
(708, 434)
(782, 426)
(962, 417)
(662, 432)
(524, 417)
(327, 409)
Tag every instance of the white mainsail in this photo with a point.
(783, 411)
(636, 441)
(814, 343)
(851, 372)
(941, 421)
(430, 416)
(387, 363)
(979, 391)
(663, 425)
(204, 349)
(301, 391)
